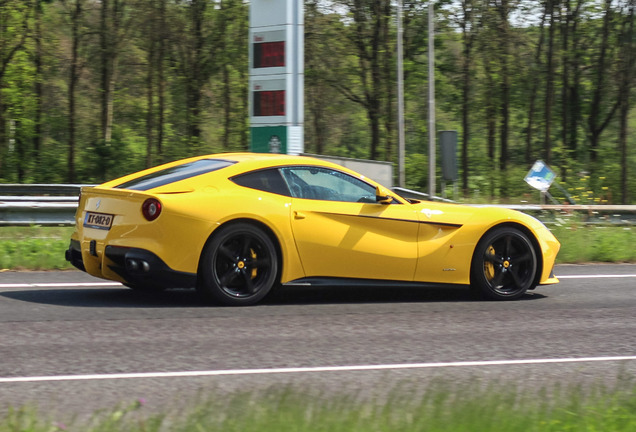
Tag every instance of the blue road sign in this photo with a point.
(540, 176)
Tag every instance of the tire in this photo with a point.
(239, 266)
(504, 266)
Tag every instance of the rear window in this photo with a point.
(175, 174)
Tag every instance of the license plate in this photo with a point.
(98, 220)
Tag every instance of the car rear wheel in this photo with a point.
(504, 266)
(238, 266)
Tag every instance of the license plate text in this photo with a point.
(98, 220)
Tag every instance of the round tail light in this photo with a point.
(151, 209)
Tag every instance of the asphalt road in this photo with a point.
(72, 346)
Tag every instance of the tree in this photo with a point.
(14, 30)
(626, 80)
(39, 76)
(75, 13)
(503, 9)
(161, 80)
(600, 113)
(152, 32)
(571, 79)
(366, 34)
(232, 63)
(535, 67)
(469, 29)
(549, 79)
(315, 82)
(193, 61)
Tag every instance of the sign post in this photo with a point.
(276, 84)
(448, 149)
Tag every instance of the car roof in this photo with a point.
(242, 162)
(264, 157)
(252, 161)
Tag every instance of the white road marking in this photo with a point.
(61, 284)
(183, 374)
(299, 370)
(598, 276)
(117, 284)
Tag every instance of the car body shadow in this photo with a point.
(107, 298)
(375, 294)
(283, 296)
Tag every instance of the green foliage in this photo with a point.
(416, 171)
(34, 248)
(595, 243)
(513, 98)
(441, 406)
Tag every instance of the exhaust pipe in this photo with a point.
(134, 265)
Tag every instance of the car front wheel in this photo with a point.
(238, 266)
(504, 266)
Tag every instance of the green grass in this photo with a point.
(580, 244)
(34, 248)
(442, 407)
(42, 248)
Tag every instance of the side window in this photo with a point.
(327, 184)
(267, 180)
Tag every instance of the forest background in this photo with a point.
(91, 90)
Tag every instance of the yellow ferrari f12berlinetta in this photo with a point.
(235, 225)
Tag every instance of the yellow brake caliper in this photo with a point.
(489, 267)
(254, 271)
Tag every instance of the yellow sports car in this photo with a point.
(236, 225)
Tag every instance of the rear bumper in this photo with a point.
(74, 255)
(137, 267)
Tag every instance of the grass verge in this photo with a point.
(595, 243)
(443, 407)
(42, 248)
(34, 248)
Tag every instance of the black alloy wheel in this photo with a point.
(504, 266)
(239, 266)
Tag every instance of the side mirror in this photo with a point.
(382, 196)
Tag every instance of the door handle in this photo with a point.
(299, 215)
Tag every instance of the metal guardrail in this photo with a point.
(555, 213)
(38, 204)
(55, 204)
(72, 190)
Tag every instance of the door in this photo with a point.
(341, 231)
